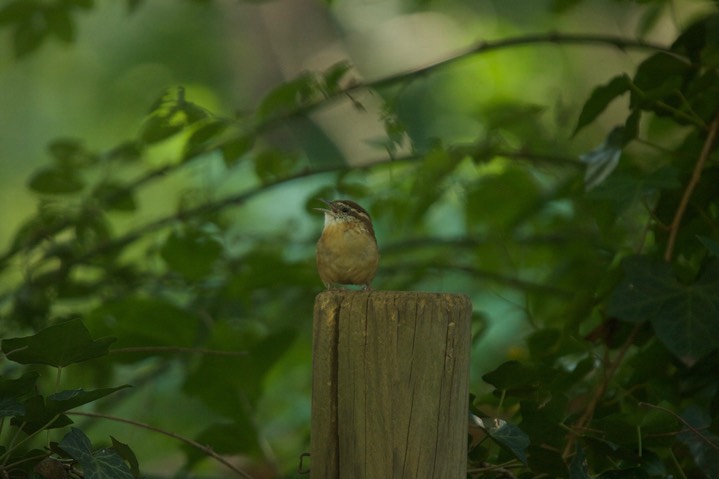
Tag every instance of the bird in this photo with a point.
(347, 250)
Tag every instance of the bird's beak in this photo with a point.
(325, 210)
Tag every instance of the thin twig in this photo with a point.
(683, 421)
(609, 373)
(205, 449)
(693, 181)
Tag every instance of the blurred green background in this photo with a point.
(227, 55)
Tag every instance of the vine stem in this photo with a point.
(205, 449)
(609, 372)
(691, 185)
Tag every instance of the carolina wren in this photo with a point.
(347, 249)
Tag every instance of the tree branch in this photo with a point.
(204, 449)
(693, 182)
(311, 106)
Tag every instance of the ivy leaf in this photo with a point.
(513, 375)
(685, 317)
(128, 455)
(58, 345)
(701, 442)
(508, 436)
(39, 416)
(101, 464)
(600, 98)
(63, 401)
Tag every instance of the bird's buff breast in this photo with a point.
(346, 256)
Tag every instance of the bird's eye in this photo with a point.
(345, 209)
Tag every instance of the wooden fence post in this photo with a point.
(389, 385)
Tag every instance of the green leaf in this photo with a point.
(491, 189)
(129, 151)
(39, 416)
(600, 98)
(115, 196)
(702, 444)
(18, 11)
(191, 252)
(334, 75)
(13, 391)
(43, 413)
(63, 401)
(288, 97)
(234, 149)
(509, 436)
(10, 406)
(513, 375)
(227, 439)
(272, 165)
(128, 455)
(65, 150)
(199, 139)
(659, 77)
(711, 245)
(58, 345)
(685, 317)
(56, 181)
(578, 466)
(60, 23)
(28, 36)
(140, 321)
(158, 128)
(101, 464)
